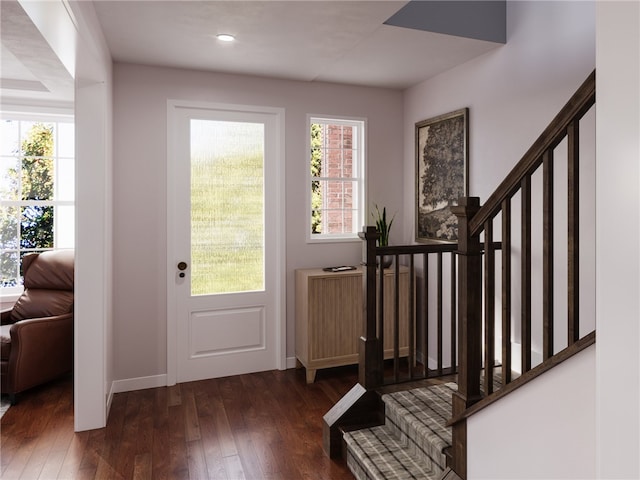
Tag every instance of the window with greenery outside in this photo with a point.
(336, 178)
(28, 193)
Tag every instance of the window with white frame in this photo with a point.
(337, 178)
(36, 190)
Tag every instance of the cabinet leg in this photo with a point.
(311, 375)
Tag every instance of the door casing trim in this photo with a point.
(280, 231)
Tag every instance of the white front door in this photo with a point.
(225, 283)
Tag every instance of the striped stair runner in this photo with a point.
(411, 443)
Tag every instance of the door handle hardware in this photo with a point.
(182, 266)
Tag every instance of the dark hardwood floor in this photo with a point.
(257, 426)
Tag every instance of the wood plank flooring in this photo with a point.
(258, 426)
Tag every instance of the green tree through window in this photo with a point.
(36, 222)
(28, 192)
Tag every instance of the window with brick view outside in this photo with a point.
(335, 178)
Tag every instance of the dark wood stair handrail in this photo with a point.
(532, 374)
(580, 103)
(473, 220)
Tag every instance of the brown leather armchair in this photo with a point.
(36, 336)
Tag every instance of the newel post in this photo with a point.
(469, 327)
(370, 366)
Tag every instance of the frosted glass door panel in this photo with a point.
(227, 207)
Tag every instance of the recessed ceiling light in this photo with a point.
(225, 37)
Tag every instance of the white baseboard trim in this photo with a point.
(154, 381)
(109, 398)
(140, 383)
(291, 362)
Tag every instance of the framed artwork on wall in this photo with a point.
(442, 174)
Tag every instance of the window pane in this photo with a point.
(340, 221)
(64, 226)
(65, 179)
(9, 137)
(36, 227)
(227, 207)
(339, 210)
(9, 231)
(9, 269)
(316, 162)
(37, 139)
(346, 137)
(337, 161)
(316, 207)
(338, 194)
(332, 163)
(338, 155)
(9, 179)
(37, 178)
(66, 140)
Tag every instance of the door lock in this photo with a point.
(182, 266)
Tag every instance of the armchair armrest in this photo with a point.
(41, 350)
(5, 316)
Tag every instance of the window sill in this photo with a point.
(9, 298)
(334, 240)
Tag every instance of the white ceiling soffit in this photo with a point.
(31, 73)
(333, 41)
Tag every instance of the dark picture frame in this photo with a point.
(442, 174)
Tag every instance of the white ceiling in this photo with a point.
(343, 41)
(31, 73)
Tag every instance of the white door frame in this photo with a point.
(278, 221)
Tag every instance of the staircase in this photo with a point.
(424, 431)
(411, 443)
(415, 439)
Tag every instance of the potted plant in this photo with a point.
(384, 229)
(382, 226)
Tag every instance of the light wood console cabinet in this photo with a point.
(329, 317)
